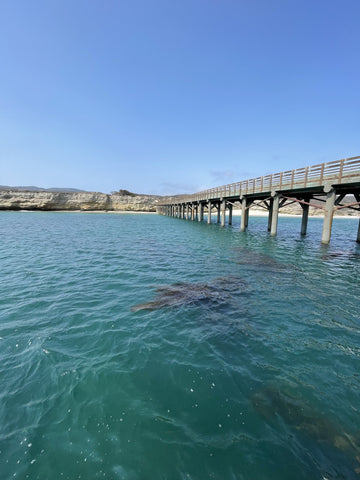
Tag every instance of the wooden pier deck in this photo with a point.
(327, 182)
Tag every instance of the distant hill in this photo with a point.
(39, 189)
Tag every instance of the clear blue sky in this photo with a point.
(172, 96)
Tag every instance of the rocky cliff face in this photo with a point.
(13, 199)
(84, 201)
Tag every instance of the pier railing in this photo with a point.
(338, 172)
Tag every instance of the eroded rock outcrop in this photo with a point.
(84, 201)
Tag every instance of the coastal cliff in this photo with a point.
(14, 199)
(47, 200)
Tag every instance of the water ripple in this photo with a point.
(91, 389)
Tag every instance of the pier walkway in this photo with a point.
(328, 183)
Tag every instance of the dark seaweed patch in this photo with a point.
(219, 290)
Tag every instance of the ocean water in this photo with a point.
(243, 364)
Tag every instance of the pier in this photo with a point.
(328, 183)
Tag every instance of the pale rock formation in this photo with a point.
(83, 201)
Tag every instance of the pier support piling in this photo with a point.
(209, 213)
(275, 215)
(304, 219)
(230, 213)
(223, 212)
(243, 214)
(218, 212)
(247, 214)
(328, 217)
(357, 197)
(201, 212)
(270, 214)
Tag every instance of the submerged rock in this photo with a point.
(260, 261)
(347, 255)
(271, 402)
(216, 291)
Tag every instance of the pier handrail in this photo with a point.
(346, 170)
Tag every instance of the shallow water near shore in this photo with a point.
(260, 381)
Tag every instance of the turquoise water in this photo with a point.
(259, 381)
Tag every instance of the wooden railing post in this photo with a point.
(306, 176)
(341, 170)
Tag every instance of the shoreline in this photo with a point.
(236, 213)
(259, 213)
(81, 211)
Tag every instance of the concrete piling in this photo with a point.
(304, 218)
(270, 215)
(201, 212)
(230, 213)
(328, 216)
(275, 215)
(243, 214)
(223, 212)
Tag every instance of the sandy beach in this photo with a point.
(264, 213)
(236, 213)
